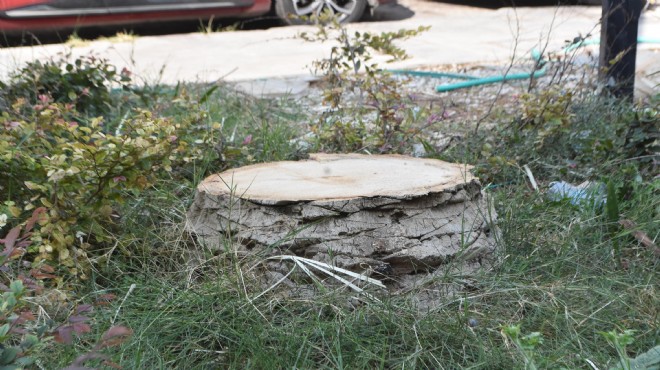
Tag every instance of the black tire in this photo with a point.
(286, 10)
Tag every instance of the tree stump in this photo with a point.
(396, 218)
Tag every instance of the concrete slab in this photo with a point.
(276, 86)
(458, 34)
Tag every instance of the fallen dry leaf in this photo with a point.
(640, 236)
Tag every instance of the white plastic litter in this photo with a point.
(587, 192)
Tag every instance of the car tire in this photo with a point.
(294, 11)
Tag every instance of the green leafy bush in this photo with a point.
(86, 82)
(81, 169)
(25, 291)
(367, 110)
(557, 134)
(77, 172)
(16, 343)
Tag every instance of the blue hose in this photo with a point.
(490, 80)
(432, 74)
(579, 44)
(476, 81)
(507, 77)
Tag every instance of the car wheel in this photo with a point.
(300, 11)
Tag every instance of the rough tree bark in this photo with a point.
(396, 218)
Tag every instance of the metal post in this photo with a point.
(618, 45)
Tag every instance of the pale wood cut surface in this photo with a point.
(337, 177)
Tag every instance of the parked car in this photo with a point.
(35, 15)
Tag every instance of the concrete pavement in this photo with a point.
(458, 34)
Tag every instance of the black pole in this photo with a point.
(618, 45)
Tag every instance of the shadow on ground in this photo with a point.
(142, 29)
(496, 4)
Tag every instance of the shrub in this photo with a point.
(367, 110)
(559, 135)
(22, 336)
(86, 83)
(77, 172)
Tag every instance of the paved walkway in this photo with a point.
(458, 35)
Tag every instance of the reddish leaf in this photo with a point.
(47, 268)
(41, 276)
(17, 330)
(28, 316)
(105, 299)
(43, 272)
(116, 331)
(112, 365)
(24, 242)
(84, 308)
(22, 318)
(30, 284)
(115, 335)
(35, 217)
(10, 238)
(76, 319)
(15, 252)
(641, 236)
(81, 328)
(79, 363)
(63, 334)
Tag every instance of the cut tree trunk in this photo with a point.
(396, 218)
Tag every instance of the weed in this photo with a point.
(209, 28)
(525, 344)
(356, 88)
(619, 341)
(123, 36)
(74, 40)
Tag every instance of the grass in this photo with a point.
(75, 41)
(191, 307)
(556, 275)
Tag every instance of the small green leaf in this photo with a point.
(29, 341)
(8, 355)
(207, 94)
(11, 367)
(17, 287)
(24, 361)
(4, 329)
(10, 300)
